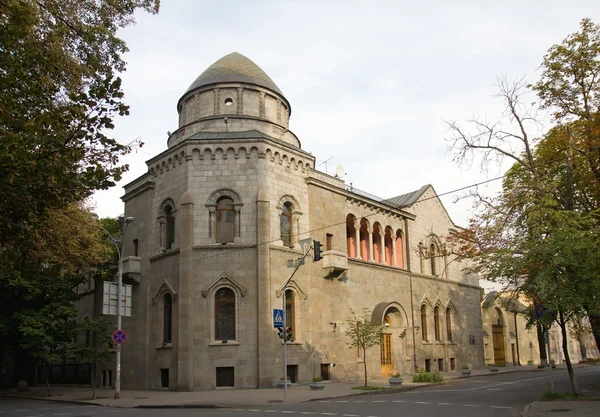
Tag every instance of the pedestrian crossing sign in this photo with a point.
(277, 318)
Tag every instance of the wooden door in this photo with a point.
(387, 367)
(498, 340)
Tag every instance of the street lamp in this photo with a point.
(116, 242)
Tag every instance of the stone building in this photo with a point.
(219, 216)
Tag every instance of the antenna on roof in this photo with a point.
(325, 162)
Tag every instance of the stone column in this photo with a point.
(263, 324)
(382, 246)
(394, 257)
(185, 301)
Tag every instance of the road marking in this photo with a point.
(341, 401)
(380, 401)
(499, 406)
(308, 412)
(288, 412)
(359, 401)
(399, 401)
(422, 402)
(470, 405)
(270, 411)
(351, 415)
(494, 389)
(324, 401)
(445, 403)
(25, 409)
(329, 414)
(254, 410)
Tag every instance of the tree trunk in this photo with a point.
(365, 364)
(48, 386)
(542, 346)
(565, 346)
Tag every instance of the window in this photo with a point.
(399, 250)
(225, 219)
(436, 323)
(329, 242)
(292, 373)
(376, 239)
(285, 224)
(440, 362)
(225, 314)
(351, 236)
(452, 364)
(449, 324)
(364, 239)
(225, 376)
(389, 249)
(432, 260)
(427, 365)
(170, 227)
(168, 319)
(424, 322)
(164, 378)
(136, 247)
(290, 318)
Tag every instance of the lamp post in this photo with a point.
(116, 242)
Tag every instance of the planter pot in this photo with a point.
(493, 369)
(465, 372)
(395, 381)
(317, 386)
(281, 383)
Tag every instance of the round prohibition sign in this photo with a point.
(119, 336)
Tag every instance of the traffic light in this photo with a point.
(280, 332)
(288, 334)
(317, 251)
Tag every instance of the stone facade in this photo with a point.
(218, 217)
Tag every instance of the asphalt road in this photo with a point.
(503, 395)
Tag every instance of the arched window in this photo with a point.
(168, 319)
(290, 313)
(449, 324)
(424, 322)
(225, 219)
(432, 259)
(436, 323)
(225, 314)
(389, 249)
(364, 240)
(377, 243)
(170, 227)
(399, 250)
(351, 235)
(286, 224)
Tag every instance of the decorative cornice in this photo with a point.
(225, 279)
(165, 287)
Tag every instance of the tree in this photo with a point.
(37, 319)
(61, 91)
(97, 348)
(363, 334)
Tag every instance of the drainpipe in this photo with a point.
(412, 309)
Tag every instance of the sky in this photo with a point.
(370, 83)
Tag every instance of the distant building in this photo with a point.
(220, 216)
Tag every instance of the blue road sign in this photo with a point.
(277, 318)
(539, 310)
(119, 336)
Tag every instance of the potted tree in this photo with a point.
(492, 367)
(283, 382)
(317, 384)
(466, 371)
(395, 379)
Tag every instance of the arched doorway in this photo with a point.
(387, 364)
(498, 339)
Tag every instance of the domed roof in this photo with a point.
(234, 67)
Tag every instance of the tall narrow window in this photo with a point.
(136, 248)
(168, 319)
(170, 228)
(424, 322)
(449, 324)
(351, 236)
(224, 314)
(432, 259)
(285, 224)
(290, 313)
(436, 323)
(377, 243)
(329, 242)
(389, 249)
(399, 250)
(225, 217)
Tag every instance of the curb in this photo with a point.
(56, 400)
(525, 412)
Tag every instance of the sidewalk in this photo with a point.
(252, 398)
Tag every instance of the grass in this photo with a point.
(558, 396)
(428, 377)
(368, 388)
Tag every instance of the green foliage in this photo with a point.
(368, 388)
(317, 379)
(427, 377)
(558, 396)
(363, 334)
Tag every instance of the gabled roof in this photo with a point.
(408, 199)
(489, 299)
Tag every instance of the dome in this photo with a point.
(234, 67)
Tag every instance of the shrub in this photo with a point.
(396, 375)
(317, 379)
(429, 377)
